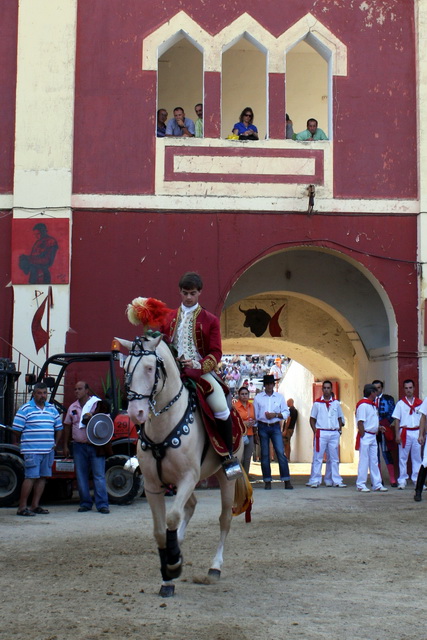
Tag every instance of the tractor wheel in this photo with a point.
(11, 478)
(122, 486)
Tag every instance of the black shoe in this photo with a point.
(417, 497)
(83, 509)
(394, 485)
(288, 484)
(104, 510)
(267, 486)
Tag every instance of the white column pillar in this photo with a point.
(44, 147)
(421, 56)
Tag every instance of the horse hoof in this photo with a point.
(167, 590)
(215, 574)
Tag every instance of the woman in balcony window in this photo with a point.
(245, 128)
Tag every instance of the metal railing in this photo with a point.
(25, 366)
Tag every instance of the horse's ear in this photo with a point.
(154, 339)
(125, 343)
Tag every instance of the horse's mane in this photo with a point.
(171, 351)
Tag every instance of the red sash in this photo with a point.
(365, 401)
(417, 402)
(327, 402)
(403, 431)
(317, 439)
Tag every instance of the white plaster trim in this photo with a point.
(311, 29)
(220, 189)
(26, 304)
(48, 212)
(6, 201)
(51, 188)
(45, 102)
(169, 33)
(246, 26)
(181, 25)
(214, 203)
(252, 166)
(421, 62)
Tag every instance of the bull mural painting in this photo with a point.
(258, 320)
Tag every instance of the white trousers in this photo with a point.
(328, 442)
(368, 461)
(217, 400)
(414, 448)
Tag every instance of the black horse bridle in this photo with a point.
(138, 351)
(158, 449)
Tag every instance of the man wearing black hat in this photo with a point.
(270, 409)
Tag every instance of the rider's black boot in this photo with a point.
(231, 465)
(419, 487)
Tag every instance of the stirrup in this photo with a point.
(232, 468)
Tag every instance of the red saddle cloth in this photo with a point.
(203, 390)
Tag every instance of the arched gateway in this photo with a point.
(326, 312)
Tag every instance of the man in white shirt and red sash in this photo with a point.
(368, 426)
(422, 473)
(326, 421)
(407, 425)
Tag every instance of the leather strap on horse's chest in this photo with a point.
(159, 449)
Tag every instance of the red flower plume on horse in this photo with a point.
(149, 312)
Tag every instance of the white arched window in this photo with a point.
(180, 77)
(244, 84)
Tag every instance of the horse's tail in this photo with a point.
(243, 497)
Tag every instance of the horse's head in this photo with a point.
(143, 368)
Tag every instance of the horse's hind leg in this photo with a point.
(227, 499)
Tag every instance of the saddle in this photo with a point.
(202, 389)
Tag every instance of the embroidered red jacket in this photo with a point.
(206, 336)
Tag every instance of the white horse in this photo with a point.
(174, 449)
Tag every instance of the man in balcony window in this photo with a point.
(198, 125)
(179, 125)
(162, 116)
(312, 132)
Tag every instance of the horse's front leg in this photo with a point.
(156, 501)
(180, 513)
(227, 499)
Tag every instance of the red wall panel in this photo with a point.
(6, 293)
(8, 48)
(120, 255)
(374, 105)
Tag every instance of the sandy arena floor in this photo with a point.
(313, 564)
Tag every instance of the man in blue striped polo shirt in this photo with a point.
(39, 426)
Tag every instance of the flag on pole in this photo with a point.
(40, 335)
